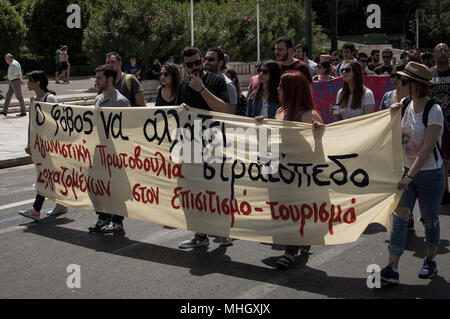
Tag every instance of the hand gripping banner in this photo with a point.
(221, 174)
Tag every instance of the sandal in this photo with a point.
(285, 262)
(304, 249)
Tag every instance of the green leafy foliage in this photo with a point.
(12, 29)
(159, 28)
(48, 29)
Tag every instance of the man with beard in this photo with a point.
(284, 54)
(440, 92)
(204, 90)
(375, 55)
(128, 85)
(215, 63)
(105, 76)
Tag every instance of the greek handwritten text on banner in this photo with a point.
(221, 174)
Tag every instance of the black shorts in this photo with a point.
(64, 66)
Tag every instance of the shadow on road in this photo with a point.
(203, 262)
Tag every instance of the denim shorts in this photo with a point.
(427, 187)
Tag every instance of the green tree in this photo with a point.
(48, 31)
(12, 29)
(161, 28)
(434, 26)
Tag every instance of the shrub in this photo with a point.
(48, 31)
(12, 30)
(160, 28)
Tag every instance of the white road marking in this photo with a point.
(28, 201)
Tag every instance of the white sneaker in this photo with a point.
(31, 213)
(58, 210)
(194, 242)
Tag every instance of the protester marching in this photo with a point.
(292, 94)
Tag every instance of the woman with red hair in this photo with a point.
(296, 105)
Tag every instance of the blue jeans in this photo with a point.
(428, 187)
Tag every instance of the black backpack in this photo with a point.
(444, 149)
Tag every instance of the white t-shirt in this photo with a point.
(48, 98)
(347, 112)
(14, 70)
(265, 108)
(413, 135)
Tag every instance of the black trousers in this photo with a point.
(38, 202)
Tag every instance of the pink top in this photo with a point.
(254, 82)
(63, 57)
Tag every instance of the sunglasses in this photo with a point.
(263, 71)
(395, 76)
(191, 64)
(347, 70)
(210, 59)
(404, 81)
(387, 57)
(166, 74)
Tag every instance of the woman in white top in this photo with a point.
(354, 98)
(38, 82)
(424, 177)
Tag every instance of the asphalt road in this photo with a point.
(146, 262)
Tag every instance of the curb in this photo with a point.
(16, 162)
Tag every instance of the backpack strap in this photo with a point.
(405, 103)
(426, 112)
(128, 80)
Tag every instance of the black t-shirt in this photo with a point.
(214, 83)
(440, 90)
(122, 87)
(156, 68)
(160, 100)
(384, 70)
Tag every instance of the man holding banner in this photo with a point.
(206, 90)
(105, 76)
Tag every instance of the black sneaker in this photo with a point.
(4, 113)
(98, 226)
(21, 114)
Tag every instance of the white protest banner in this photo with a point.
(221, 174)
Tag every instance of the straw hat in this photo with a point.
(417, 72)
(325, 57)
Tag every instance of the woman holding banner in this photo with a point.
(424, 177)
(354, 99)
(296, 105)
(38, 82)
(264, 101)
